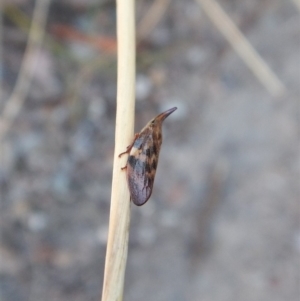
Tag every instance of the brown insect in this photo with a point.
(143, 158)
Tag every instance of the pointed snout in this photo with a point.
(162, 116)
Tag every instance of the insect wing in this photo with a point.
(139, 174)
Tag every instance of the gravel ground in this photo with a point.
(223, 221)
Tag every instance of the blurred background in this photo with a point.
(223, 220)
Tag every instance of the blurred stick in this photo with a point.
(297, 3)
(18, 17)
(241, 45)
(1, 51)
(21, 89)
(151, 19)
(117, 245)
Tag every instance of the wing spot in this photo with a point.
(154, 149)
(132, 160)
(154, 164)
(148, 168)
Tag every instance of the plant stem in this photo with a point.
(117, 245)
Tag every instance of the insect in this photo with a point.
(143, 158)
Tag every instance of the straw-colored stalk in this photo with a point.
(15, 102)
(153, 16)
(243, 47)
(117, 245)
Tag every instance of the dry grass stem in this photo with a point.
(151, 19)
(14, 104)
(242, 46)
(117, 245)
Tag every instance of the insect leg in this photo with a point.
(129, 147)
